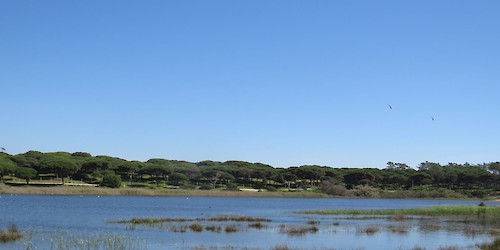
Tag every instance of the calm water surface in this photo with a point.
(79, 216)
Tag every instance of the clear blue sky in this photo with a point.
(286, 83)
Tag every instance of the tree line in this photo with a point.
(474, 180)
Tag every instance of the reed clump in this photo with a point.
(169, 220)
(401, 229)
(231, 228)
(282, 247)
(10, 234)
(196, 227)
(430, 227)
(256, 225)
(313, 222)
(298, 230)
(213, 228)
(495, 245)
(238, 218)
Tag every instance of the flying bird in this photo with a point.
(3, 149)
(432, 118)
(390, 107)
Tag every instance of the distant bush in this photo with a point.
(111, 180)
(413, 194)
(335, 190)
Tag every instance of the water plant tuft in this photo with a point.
(10, 234)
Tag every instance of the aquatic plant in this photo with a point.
(281, 247)
(398, 217)
(230, 228)
(10, 234)
(430, 227)
(222, 218)
(313, 222)
(256, 225)
(466, 213)
(95, 242)
(369, 230)
(196, 227)
(238, 218)
(298, 230)
(213, 228)
(400, 228)
(495, 245)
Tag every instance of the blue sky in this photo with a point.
(286, 83)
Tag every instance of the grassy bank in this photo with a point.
(81, 190)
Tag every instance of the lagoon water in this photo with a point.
(46, 217)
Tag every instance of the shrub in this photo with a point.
(111, 180)
(366, 191)
(232, 187)
(330, 187)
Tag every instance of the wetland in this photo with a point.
(149, 222)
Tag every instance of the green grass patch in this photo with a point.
(469, 213)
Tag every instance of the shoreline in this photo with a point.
(128, 191)
(134, 191)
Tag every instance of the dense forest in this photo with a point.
(428, 179)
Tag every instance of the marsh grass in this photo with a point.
(281, 247)
(257, 225)
(10, 234)
(196, 227)
(430, 227)
(472, 214)
(495, 245)
(400, 228)
(398, 217)
(213, 228)
(223, 218)
(313, 222)
(95, 242)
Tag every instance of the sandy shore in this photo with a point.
(81, 190)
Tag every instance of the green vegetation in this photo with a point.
(396, 180)
(473, 214)
(215, 218)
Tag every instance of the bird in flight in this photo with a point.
(3, 149)
(390, 107)
(432, 118)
